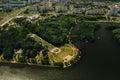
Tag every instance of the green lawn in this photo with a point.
(67, 49)
(40, 40)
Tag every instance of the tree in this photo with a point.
(8, 53)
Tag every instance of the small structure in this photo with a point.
(60, 8)
(113, 12)
(19, 51)
(66, 61)
(76, 11)
(68, 58)
(33, 17)
(95, 12)
(55, 50)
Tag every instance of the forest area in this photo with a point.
(17, 45)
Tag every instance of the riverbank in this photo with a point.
(27, 64)
(60, 56)
(99, 61)
(64, 56)
(71, 62)
(56, 56)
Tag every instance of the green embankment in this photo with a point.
(41, 41)
(68, 51)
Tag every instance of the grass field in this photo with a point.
(40, 40)
(68, 51)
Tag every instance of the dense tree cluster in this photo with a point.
(115, 28)
(112, 26)
(14, 39)
(86, 31)
(91, 18)
(55, 29)
(116, 33)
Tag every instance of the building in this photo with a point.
(95, 12)
(4, 1)
(60, 8)
(10, 4)
(113, 12)
(76, 11)
(17, 3)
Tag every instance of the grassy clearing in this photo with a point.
(66, 50)
(42, 41)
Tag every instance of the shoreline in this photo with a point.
(72, 62)
(27, 64)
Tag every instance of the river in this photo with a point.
(99, 61)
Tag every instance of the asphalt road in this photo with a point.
(8, 18)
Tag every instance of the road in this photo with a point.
(8, 18)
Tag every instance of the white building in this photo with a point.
(17, 3)
(95, 12)
(76, 11)
(33, 17)
(60, 8)
(113, 12)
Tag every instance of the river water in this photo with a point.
(99, 61)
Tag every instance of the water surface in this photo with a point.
(99, 61)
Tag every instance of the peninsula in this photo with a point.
(41, 32)
(38, 42)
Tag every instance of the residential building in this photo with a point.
(95, 12)
(10, 4)
(60, 8)
(113, 12)
(17, 3)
